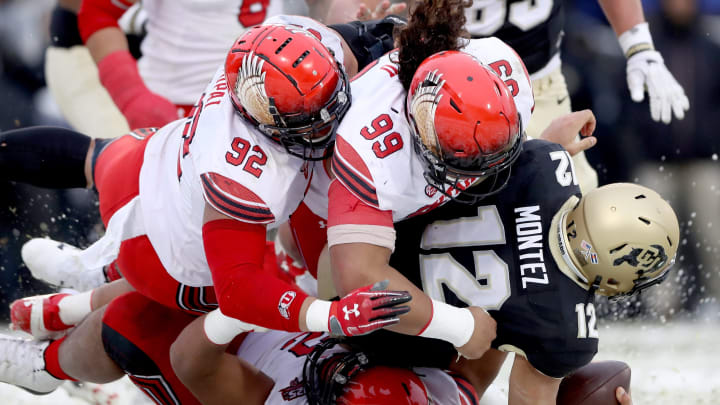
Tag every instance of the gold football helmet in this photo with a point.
(621, 238)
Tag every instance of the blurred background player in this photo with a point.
(535, 29)
(177, 59)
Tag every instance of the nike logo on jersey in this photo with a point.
(561, 100)
(528, 227)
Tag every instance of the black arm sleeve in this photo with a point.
(64, 29)
(49, 157)
(369, 40)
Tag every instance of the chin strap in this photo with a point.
(593, 287)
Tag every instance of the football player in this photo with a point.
(179, 201)
(471, 119)
(534, 29)
(264, 367)
(534, 256)
(125, 338)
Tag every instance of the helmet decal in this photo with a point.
(423, 107)
(250, 89)
(623, 235)
(651, 258)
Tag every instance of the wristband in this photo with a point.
(635, 40)
(316, 317)
(221, 329)
(449, 323)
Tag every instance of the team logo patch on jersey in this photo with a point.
(293, 391)
(587, 251)
(284, 305)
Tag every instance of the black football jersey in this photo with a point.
(495, 255)
(532, 27)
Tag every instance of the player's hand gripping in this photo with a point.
(367, 309)
(483, 334)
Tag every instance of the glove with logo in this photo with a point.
(362, 311)
(646, 70)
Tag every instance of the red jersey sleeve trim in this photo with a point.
(346, 208)
(353, 173)
(235, 200)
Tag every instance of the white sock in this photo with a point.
(74, 308)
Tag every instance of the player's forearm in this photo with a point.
(211, 374)
(623, 14)
(99, 29)
(106, 41)
(528, 386)
(356, 265)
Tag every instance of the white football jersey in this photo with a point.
(281, 356)
(374, 154)
(217, 157)
(187, 39)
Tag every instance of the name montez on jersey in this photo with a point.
(528, 226)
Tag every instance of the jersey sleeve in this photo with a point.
(507, 64)
(352, 221)
(352, 172)
(235, 200)
(554, 179)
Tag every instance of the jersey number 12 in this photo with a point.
(490, 286)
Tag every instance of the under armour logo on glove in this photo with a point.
(353, 311)
(373, 308)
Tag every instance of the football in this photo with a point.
(594, 384)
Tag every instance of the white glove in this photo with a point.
(646, 70)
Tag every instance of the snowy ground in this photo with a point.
(672, 364)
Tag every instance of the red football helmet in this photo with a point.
(465, 123)
(284, 81)
(384, 385)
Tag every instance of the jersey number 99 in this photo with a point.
(390, 143)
